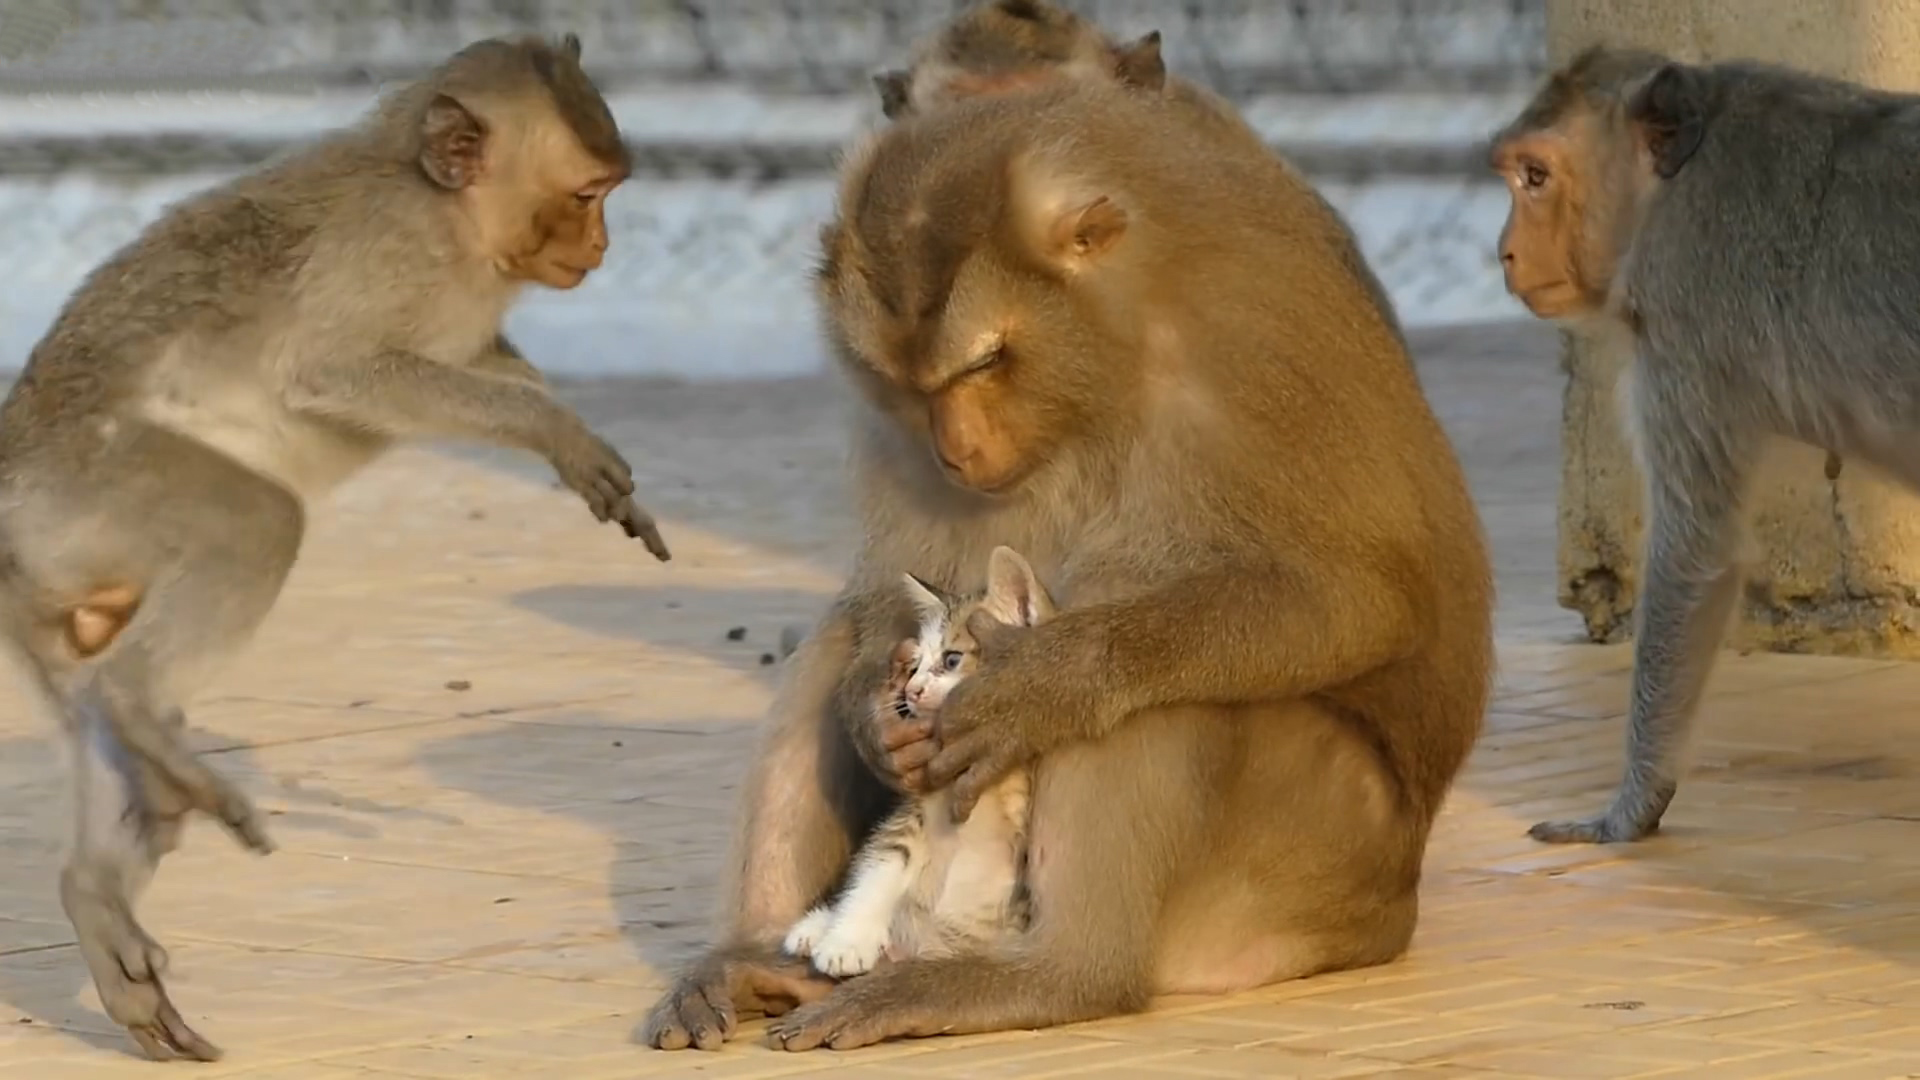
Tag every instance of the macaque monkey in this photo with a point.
(1746, 230)
(1078, 325)
(1005, 46)
(253, 348)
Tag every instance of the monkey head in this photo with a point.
(981, 295)
(1002, 46)
(516, 133)
(1581, 163)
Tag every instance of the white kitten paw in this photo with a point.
(806, 934)
(847, 952)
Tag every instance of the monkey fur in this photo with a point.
(1078, 324)
(1000, 46)
(254, 347)
(1744, 231)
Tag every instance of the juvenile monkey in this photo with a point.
(1006, 46)
(924, 885)
(253, 348)
(1748, 231)
(1081, 326)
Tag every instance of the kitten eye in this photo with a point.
(952, 661)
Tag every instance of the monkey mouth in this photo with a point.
(1550, 299)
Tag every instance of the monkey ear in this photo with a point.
(452, 144)
(1138, 63)
(1089, 230)
(1670, 112)
(570, 45)
(893, 86)
(926, 599)
(1014, 593)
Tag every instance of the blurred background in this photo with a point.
(736, 109)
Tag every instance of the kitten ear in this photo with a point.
(1014, 593)
(926, 599)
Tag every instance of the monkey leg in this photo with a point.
(126, 817)
(1696, 481)
(806, 798)
(1112, 824)
(208, 551)
(1313, 864)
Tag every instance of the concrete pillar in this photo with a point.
(1838, 567)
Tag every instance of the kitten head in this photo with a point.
(948, 650)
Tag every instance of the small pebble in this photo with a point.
(767, 659)
(738, 633)
(618, 744)
(459, 684)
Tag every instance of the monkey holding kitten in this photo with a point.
(1075, 323)
(923, 885)
(254, 347)
(1747, 235)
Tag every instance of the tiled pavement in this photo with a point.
(500, 749)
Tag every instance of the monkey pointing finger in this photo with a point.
(254, 347)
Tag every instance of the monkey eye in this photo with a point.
(584, 198)
(951, 661)
(1533, 175)
(988, 359)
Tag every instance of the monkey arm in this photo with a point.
(1225, 635)
(399, 393)
(1215, 636)
(506, 360)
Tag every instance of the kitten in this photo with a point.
(922, 886)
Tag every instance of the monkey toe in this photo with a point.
(242, 818)
(692, 1014)
(1606, 829)
(162, 1034)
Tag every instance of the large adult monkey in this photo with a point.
(1079, 325)
(254, 347)
(1749, 230)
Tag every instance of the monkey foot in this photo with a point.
(846, 1020)
(243, 819)
(1605, 829)
(697, 1011)
(126, 964)
(701, 1009)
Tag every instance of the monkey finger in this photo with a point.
(912, 757)
(639, 525)
(893, 736)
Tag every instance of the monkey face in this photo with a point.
(532, 161)
(567, 236)
(1541, 236)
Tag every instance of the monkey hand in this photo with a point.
(905, 740)
(595, 470)
(1022, 703)
(702, 1008)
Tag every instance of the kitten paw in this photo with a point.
(844, 955)
(806, 933)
